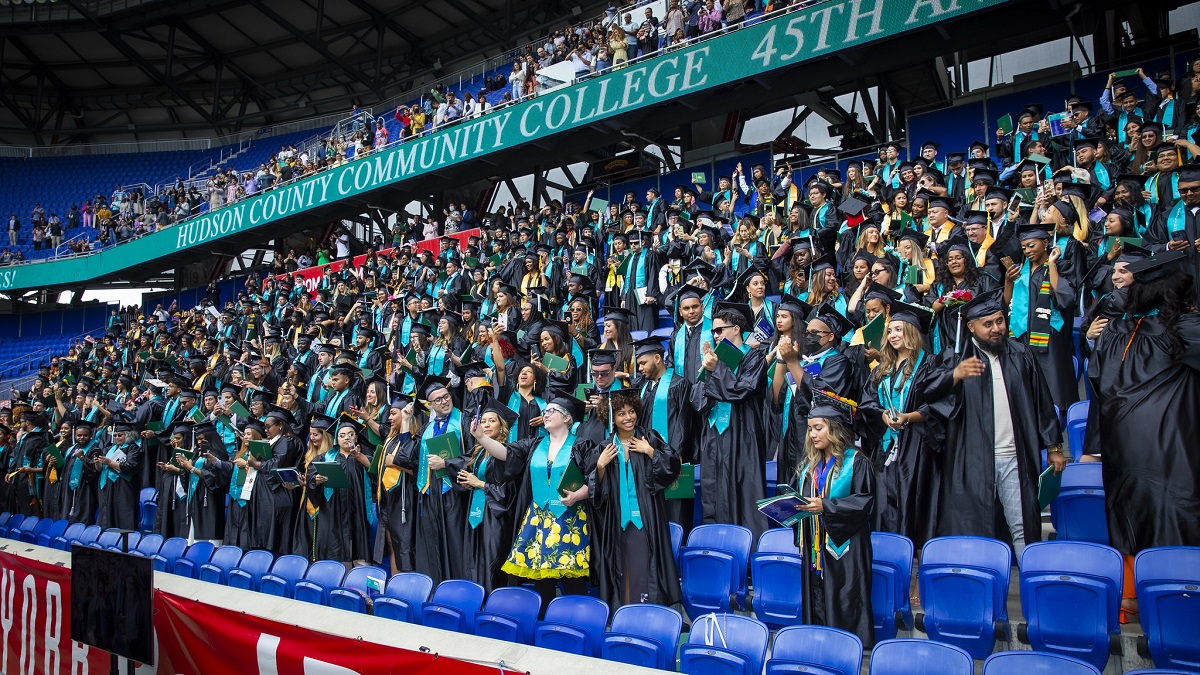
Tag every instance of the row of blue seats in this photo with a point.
(1070, 592)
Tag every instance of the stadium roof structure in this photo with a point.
(75, 71)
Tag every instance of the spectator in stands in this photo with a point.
(618, 45)
(582, 61)
(630, 28)
(734, 12)
(38, 235)
(14, 228)
(674, 20)
(711, 17)
(6, 257)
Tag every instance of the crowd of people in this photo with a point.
(899, 338)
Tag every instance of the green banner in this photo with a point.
(780, 42)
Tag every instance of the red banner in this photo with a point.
(193, 638)
(312, 275)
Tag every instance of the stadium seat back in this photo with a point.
(62, 541)
(250, 569)
(188, 565)
(216, 570)
(907, 656)
(706, 576)
(676, 540)
(322, 576)
(725, 644)
(285, 572)
(1168, 590)
(149, 544)
(46, 530)
(1071, 598)
(171, 550)
(1036, 663)
(891, 579)
(964, 585)
(735, 539)
(778, 540)
(778, 598)
(573, 624)
(815, 650)
(643, 635)
(510, 614)
(403, 597)
(453, 606)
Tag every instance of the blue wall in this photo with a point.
(66, 322)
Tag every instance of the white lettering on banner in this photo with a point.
(807, 33)
(54, 617)
(268, 646)
(28, 623)
(79, 658)
(8, 595)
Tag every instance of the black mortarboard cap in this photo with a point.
(919, 316)
(1158, 266)
(830, 316)
(829, 407)
(984, 304)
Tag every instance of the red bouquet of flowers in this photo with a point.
(956, 298)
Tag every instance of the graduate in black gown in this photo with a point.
(1145, 373)
(204, 512)
(119, 469)
(54, 488)
(440, 511)
(900, 429)
(271, 502)
(521, 391)
(982, 441)
(835, 538)
(395, 500)
(331, 523)
(633, 559)
(80, 499)
(641, 286)
(791, 385)
(238, 528)
(488, 532)
(733, 447)
(26, 464)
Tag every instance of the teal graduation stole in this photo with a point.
(658, 421)
(172, 406)
(1165, 115)
(679, 350)
(1101, 177)
(545, 476)
(1018, 138)
(631, 512)
(454, 423)
(818, 218)
(405, 330)
(335, 402)
(478, 496)
(235, 487)
(836, 486)
(1177, 218)
(639, 273)
(514, 404)
(1152, 187)
(437, 360)
(895, 399)
(718, 416)
(108, 475)
(193, 479)
(315, 388)
(76, 476)
(1020, 318)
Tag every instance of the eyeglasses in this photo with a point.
(601, 373)
(818, 333)
(717, 330)
(878, 271)
(441, 399)
(1189, 190)
(554, 409)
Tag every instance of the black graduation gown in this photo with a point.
(945, 322)
(691, 351)
(528, 409)
(118, 499)
(271, 504)
(1056, 361)
(645, 315)
(397, 506)
(841, 595)
(906, 490)
(53, 493)
(438, 520)
(1158, 234)
(1148, 402)
(23, 488)
(609, 561)
(486, 545)
(682, 443)
(206, 505)
(967, 502)
(237, 516)
(350, 400)
(81, 503)
(732, 476)
(339, 529)
(170, 514)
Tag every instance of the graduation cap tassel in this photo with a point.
(958, 333)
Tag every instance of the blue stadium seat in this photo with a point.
(724, 644)
(188, 565)
(285, 572)
(891, 579)
(148, 545)
(42, 526)
(321, 577)
(62, 542)
(403, 597)
(87, 537)
(1078, 512)
(453, 606)
(775, 569)
(216, 570)
(1076, 424)
(1167, 580)
(510, 615)
(13, 524)
(4, 518)
(706, 576)
(1036, 663)
(25, 531)
(643, 635)
(355, 590)
(815, 650)
(771, 475)
(250, 570)
(1156, 671)
(574, 624)
(1071, 597)
(56, 528)
(171, 550)
(147, 508)
(676, 539)
(964, 591)
(907, 656)
(733, 539)
(109, 539)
